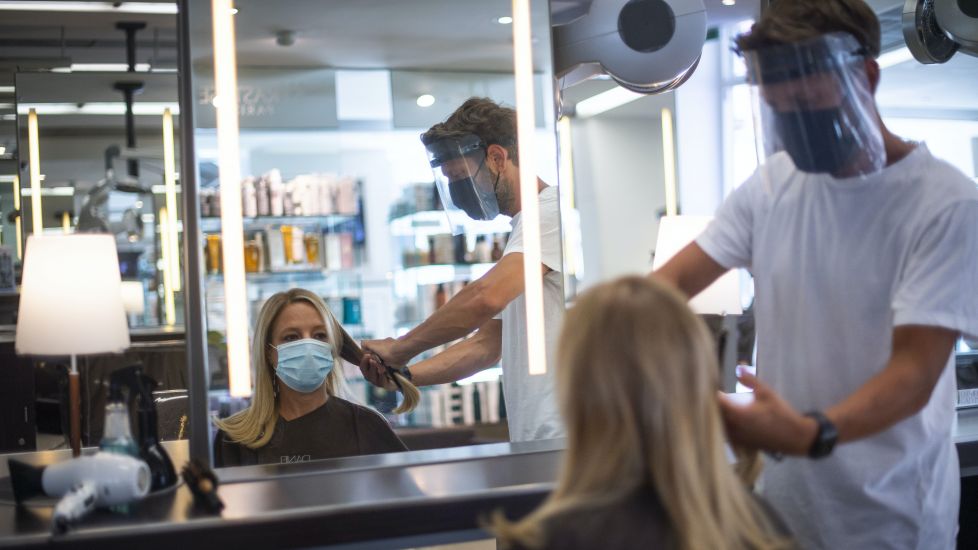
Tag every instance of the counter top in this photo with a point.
(347, 501)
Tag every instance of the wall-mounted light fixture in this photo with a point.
(66, 222)
(34, 156)
(170, 183)
(232, 227)
(529, 194)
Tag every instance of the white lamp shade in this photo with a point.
(71, 297)
(132, 297)
(675, 232)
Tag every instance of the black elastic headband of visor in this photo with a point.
(793, 61)
(451, 148)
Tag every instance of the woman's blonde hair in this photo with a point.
(254, 426)
(637, 380)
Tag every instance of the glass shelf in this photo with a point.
(297, 275)
(441, 273)
(213, 224)
(435, 222)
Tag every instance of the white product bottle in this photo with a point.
(249, 200)
(276, 193)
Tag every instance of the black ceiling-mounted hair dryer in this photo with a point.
(937, 29)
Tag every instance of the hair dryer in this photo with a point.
(119, 479)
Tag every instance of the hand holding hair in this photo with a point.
(352, 352)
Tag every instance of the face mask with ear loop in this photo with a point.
(464, 182)
(816, 104)
(303, 365)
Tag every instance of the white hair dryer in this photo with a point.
(118, 478)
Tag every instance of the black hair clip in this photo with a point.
(391, 371)
(203, 484)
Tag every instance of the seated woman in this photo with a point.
(645, 465)
(297, 414)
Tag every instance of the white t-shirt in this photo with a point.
(531, 401)
(837, 265)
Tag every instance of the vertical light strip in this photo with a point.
(565, 151)
(166, 251)
(669, 162)
(232, 227)
(35, 160)
(66, 222)
(18, 229)
(170, 184)
(529, 194)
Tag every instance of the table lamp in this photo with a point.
(71, 304)
(675, 232)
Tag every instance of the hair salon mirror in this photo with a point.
(339, 198)
(86, 137)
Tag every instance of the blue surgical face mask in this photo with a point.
(304, 364)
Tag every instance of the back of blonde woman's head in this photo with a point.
(637, 381)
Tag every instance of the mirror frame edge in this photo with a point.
(194, 314)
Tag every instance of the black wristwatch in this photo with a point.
(825, 438)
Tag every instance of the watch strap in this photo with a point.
(825, 438)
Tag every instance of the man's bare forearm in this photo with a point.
(462, 360)
(464, 313)
(901, 389)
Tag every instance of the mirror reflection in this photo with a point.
(356, 220)
(89, 141)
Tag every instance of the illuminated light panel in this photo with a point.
(170, 183)
(232, 227)
(525, 126)
(669, 163)
(605, 101)
(166, 8)
(18, 229)
(166, 251)
(145, 108)
(35, 161)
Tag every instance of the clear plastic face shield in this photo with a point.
(813, 100)
(465, 184)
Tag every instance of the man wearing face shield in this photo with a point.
(862, 246)
(474, 158)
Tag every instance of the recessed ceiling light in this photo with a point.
(505, 20)
(234, 11)
(426, 100)
(6, 89)
(728, 2)
(3, 150)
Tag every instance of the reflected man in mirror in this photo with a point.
(476, 165)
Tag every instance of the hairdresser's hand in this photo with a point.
(388, 350)
(768, 423)
(375, 373)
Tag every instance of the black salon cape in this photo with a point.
(336, 429)
(636, 521)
